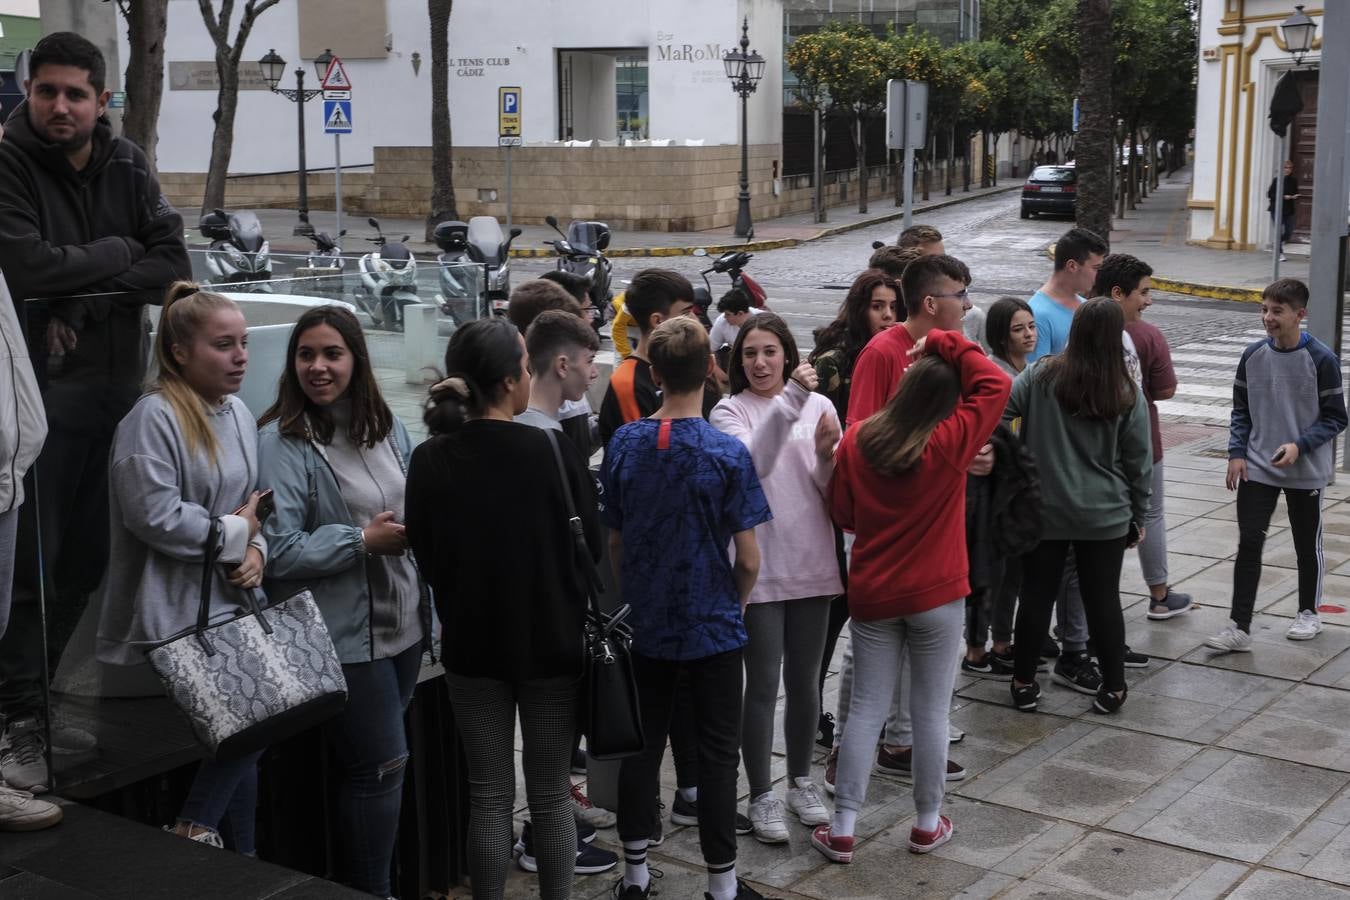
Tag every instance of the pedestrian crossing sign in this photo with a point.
(337, 116)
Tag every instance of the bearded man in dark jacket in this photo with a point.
(81, 214)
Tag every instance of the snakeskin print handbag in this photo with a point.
(251, 681)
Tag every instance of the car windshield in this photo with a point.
(1053, 173)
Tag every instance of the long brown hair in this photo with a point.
(850, 330)
(1089, 378)
(765, 321)
(371, 419)
(186, 309)
(893, 439)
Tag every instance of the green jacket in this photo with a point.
(1096, 475)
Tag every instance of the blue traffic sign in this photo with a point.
(337, 116)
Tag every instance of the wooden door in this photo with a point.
(1302, 145)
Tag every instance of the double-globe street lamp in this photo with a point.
(744, 68)
(273, 67)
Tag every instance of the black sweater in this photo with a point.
(488, 525)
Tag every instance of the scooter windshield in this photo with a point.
(583, 237)
(486, 239)
(396, 254)
(246, 231)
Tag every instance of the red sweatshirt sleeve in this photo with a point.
(873, 384)
(984, 394)
(841, 492)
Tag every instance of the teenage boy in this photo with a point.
(562, 350)
(933, 289)
(1078, 256)
(530, 300)
(1127, 280)
(734, 310)
(677, 494)
(926, 238)
(1288, 405)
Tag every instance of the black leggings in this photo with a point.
(1098, 564)
(838, 614)
(1255, 505)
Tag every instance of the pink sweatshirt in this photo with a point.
(796, 548)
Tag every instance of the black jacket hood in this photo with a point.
(53, 156)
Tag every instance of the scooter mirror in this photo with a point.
(551, 221)
(406, 237)
(515, 232)
(374, 223)
(700, 252)
(342, 233)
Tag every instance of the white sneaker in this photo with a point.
(766, 819)
(588, 812)
(21, 811)
(805, 801)
(1307, 625)
(1231, 638)
(955, 735)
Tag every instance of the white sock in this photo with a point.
(689, 795)
(928, 822)
(722, 885)
(635, 864)
(843, 822)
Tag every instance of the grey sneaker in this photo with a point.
(1173, 604)
(71, 745)
(21, 811)
(1307, 625)
(23, 760)
(1232, 639)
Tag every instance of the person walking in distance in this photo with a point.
(790, 432)
(900, 486)
(1127, 281)
(1288, 406)
(80, 213)
(1287, 185)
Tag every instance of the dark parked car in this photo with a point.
(1050, 189)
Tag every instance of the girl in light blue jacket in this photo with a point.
(335, 457)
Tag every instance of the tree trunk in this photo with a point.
(861, 143)
(442, 163)
(147, 21)
(1093, 149)
(228, 56)
(1124, 179)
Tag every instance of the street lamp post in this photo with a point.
(744, 68)
(273, 66)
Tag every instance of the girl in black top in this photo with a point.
(488, 524)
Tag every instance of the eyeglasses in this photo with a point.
(959, 295)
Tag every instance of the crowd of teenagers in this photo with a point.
(942, 483)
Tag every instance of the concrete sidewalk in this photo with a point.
(1156, 233)
(770, 234)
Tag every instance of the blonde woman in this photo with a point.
(184, 456)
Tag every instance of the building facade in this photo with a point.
(1242, 57)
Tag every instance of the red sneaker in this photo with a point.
(926, 841)
(835, 849)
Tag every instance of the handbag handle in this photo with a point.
(212, 554)
(594, 586)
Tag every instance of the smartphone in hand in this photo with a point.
(267, 504)
(1279, 455)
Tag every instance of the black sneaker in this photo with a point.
(1077, 672)
(632, 891)
(590, 860)
(1009, 660)
(743, 892)
(585, 832)
(992, 666)
(1135, 660)
(1026, 698)
(1106, 702)
(825, 731)
(685, 812)
(659, 835)
(1049, 649)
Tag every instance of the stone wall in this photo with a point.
(631, 188)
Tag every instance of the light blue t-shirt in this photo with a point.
(1052, 325)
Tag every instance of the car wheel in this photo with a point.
(1026, 213)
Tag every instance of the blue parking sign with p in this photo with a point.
(510, 102)
(508, 111)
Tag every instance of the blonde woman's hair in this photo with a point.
(186, 309)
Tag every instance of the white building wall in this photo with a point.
(1235, 150)
(493, 43)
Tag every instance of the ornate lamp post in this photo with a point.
(744, 69)
(1298, 31)
(273, 67)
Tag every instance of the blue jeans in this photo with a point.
(224, 798)
(372, 748)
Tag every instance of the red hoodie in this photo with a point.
(910, 550)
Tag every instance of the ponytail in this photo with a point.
(480, 357)
(186, 308)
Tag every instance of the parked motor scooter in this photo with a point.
(731, 264)
(388, 280)
(581, 251)
(462, 280)
(326, 253)
(238, 255)
(487, 246)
